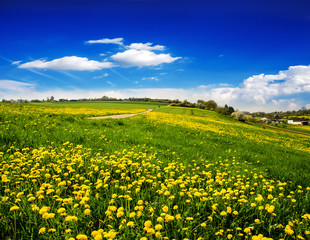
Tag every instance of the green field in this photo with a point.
(174, 173)
(105, 105)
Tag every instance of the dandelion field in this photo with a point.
(168, 174)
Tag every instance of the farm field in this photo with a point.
(93, 108)
(174, 173)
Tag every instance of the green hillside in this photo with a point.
(174, 173)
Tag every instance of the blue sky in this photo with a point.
(253, 55)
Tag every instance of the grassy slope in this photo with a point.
(264, 147)
(176, 135)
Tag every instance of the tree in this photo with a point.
(200, 104)
(210, 105)
(239, 116)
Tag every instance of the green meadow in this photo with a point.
(174, 173)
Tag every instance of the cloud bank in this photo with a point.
(264, 89)
(68, 63)
(263, 92)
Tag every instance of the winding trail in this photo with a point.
(122, 115)
(285, 130)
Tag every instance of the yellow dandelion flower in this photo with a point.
(148, 224)
(42, 230)
(288, 230)
(87, 211)
(158, 227)
(203, 224)
(165, 208)
(130, 224)
(14, 208)
(132, 214)
(81, 237)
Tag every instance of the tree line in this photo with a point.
(207, 105)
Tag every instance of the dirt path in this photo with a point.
(285, 130)
(122, 115)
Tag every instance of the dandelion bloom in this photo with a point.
(148, 224)
(81, 237)
(289, 230)
(14, 208)
(158, 227)
(87, 211)
(130, 223)
(165, 208)
(42, 230)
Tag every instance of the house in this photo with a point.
(297, 122)
(265, 120)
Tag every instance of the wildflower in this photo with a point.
(112, 208)
(132, 214)
(228, 210)
(111, 234)
(147, 224)
(203, 224)
(81, 237)
(165, 208)
(158, 227)
(61, 210)
(87, 211)
(257, 237)
(223, 213)
(130, 224)
(14, 208)
(150, 231)
(51, 230)
(42, 230)
(288, 230)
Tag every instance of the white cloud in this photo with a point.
(307, 106)
(146, 46)
(11, 87)
(68, 63)
(101, 76)
(141, 58)
(16, 62)
(118, 41)
(110, 83)
(150, 78)
(259, 89)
